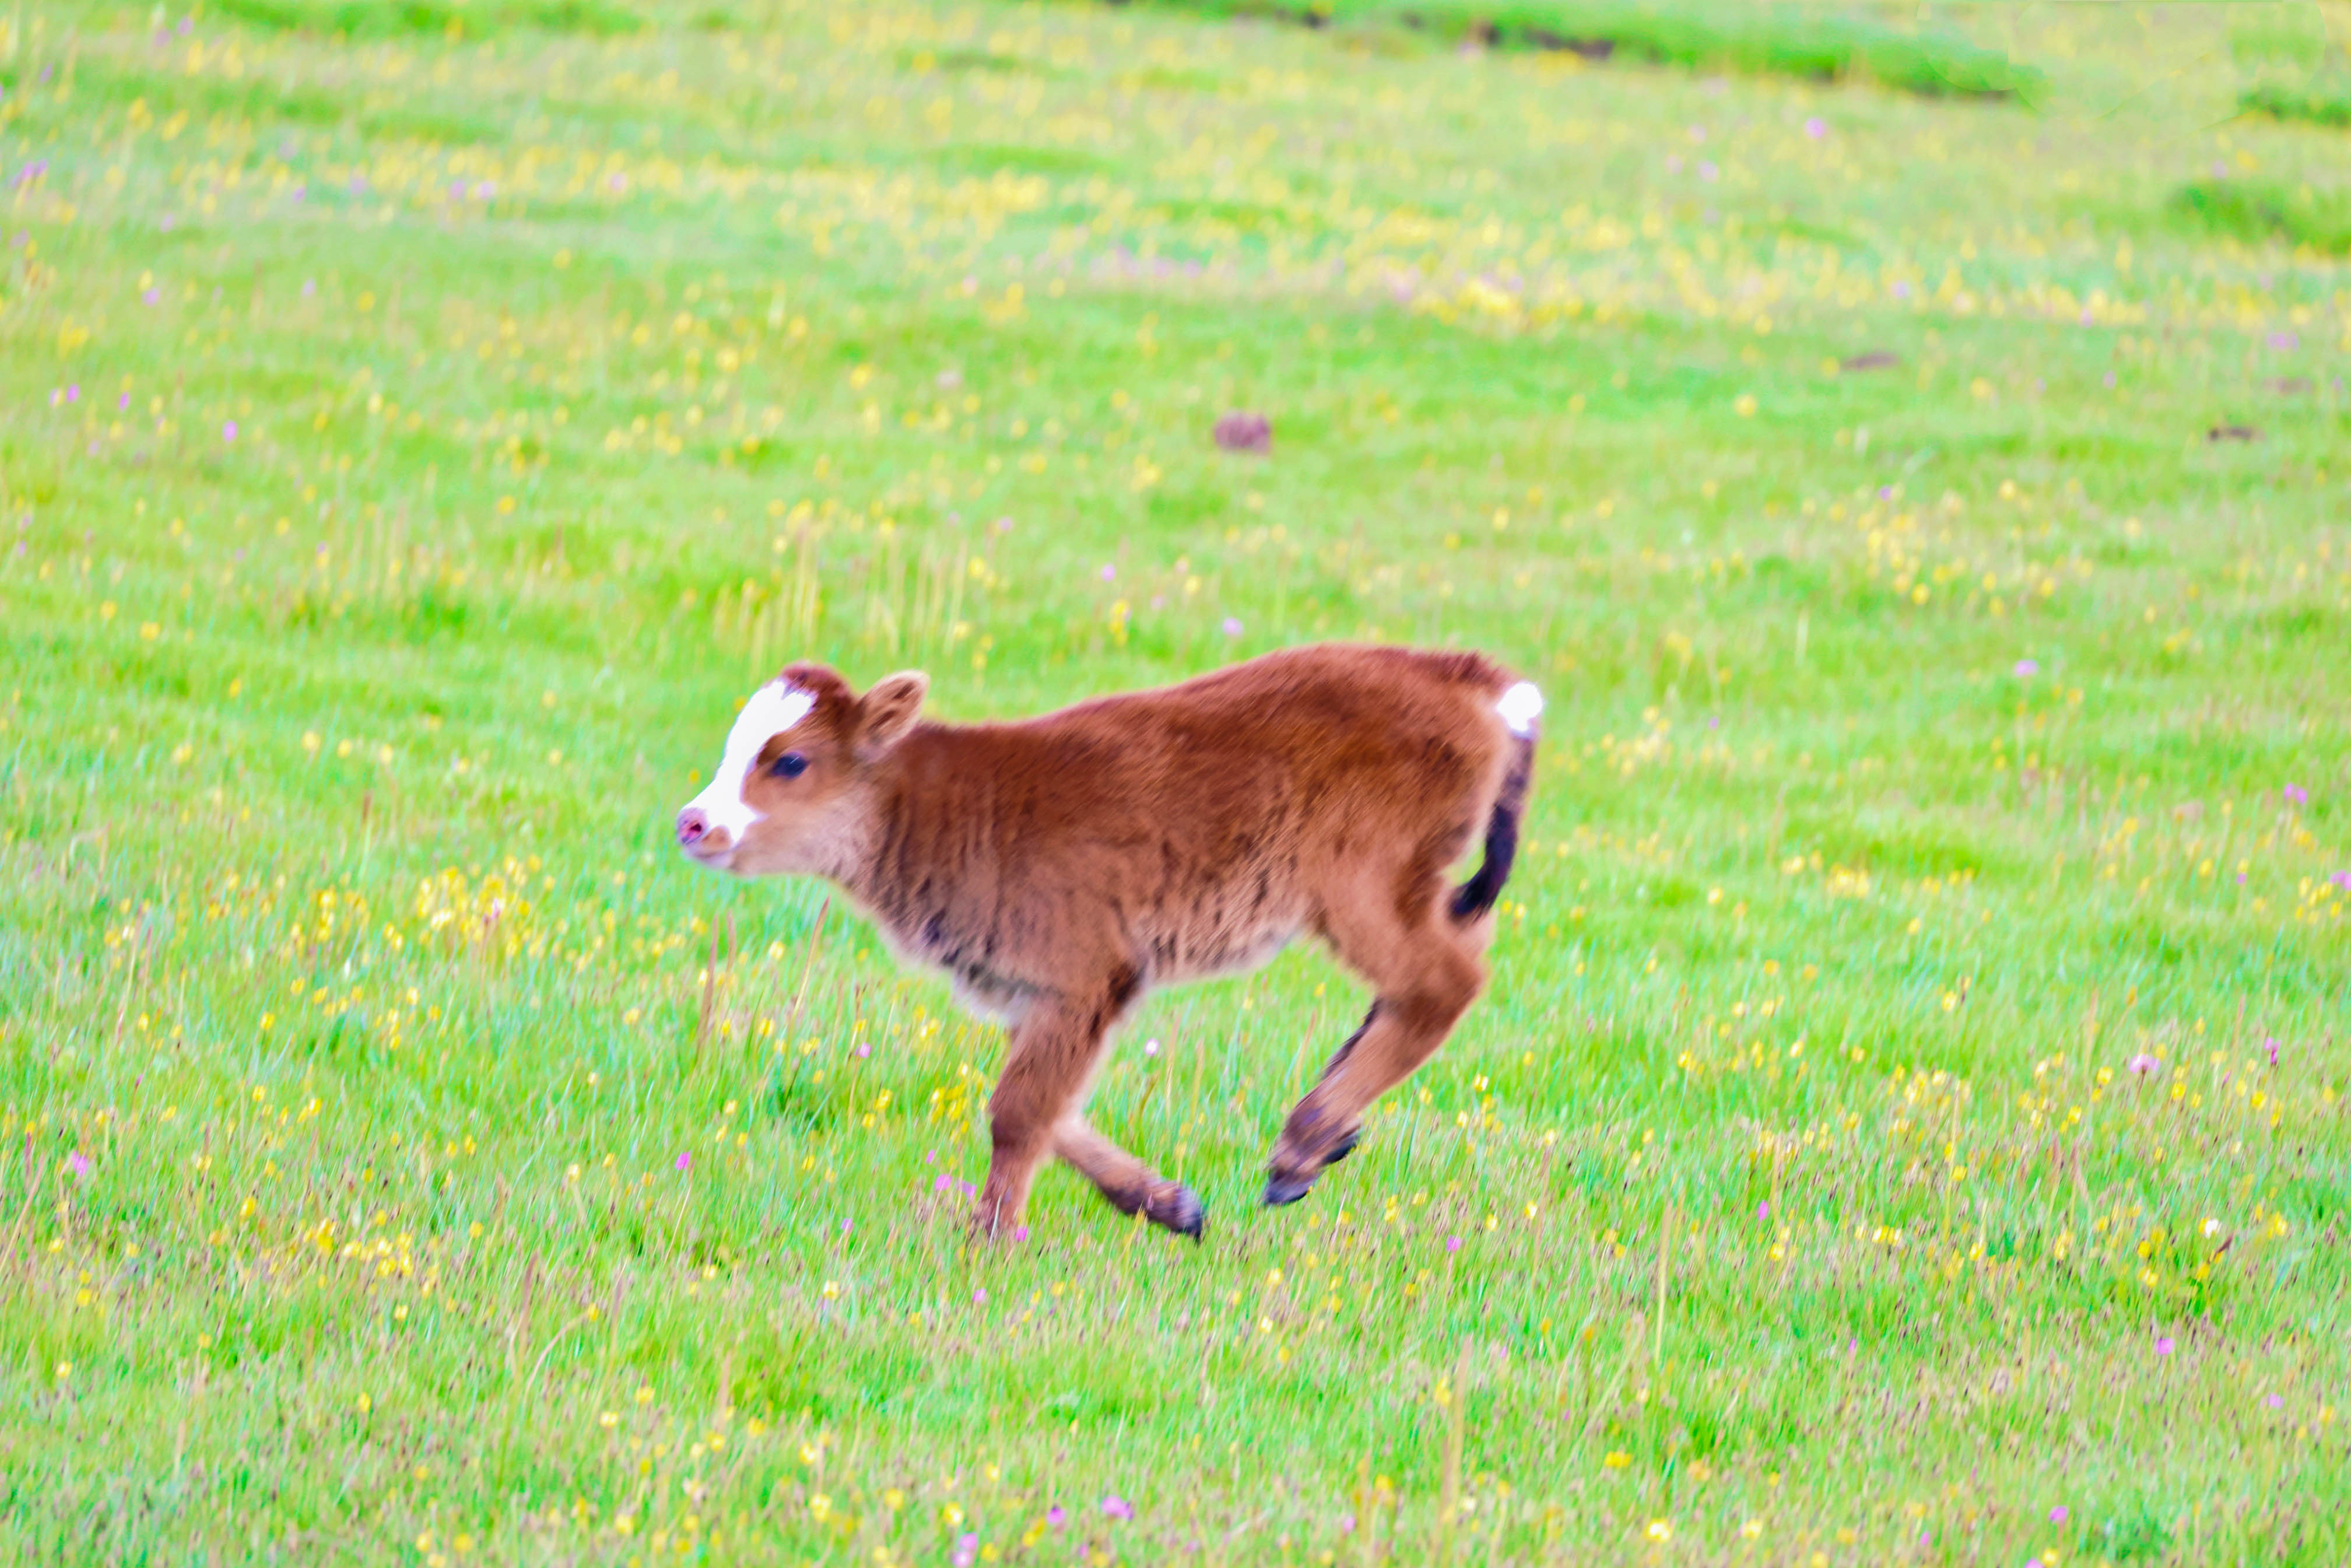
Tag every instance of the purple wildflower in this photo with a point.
(2269, 1048)
(2295, 795)
(2058, 1515)
(228, 431)
(1232, 627)
(2143, 1063)
(78, 1163)
(1453, 1244)
(2026, 669)
(1057, 1516)
(685, 1162)
(1817, 128)
(2163, 1344)
(1116, 1507)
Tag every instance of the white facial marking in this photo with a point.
(773, 709)
(1520, 706)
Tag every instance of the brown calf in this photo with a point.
(1057, 867)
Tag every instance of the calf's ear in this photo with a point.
(889, 711)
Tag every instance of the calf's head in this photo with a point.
(789, 795)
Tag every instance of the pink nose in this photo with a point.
(692, 827)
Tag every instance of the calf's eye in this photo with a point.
(791, 765)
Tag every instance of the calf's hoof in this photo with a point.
(1286, 1187)
(1176, 1207)
(988, 1225)
(1290, 1179)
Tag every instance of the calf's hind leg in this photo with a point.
(1425, 977)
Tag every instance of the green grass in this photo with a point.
(2263, 210)
(2325, 100)
(2297, 61)
(455, 20)
(1870, 1148)
(1813, 42)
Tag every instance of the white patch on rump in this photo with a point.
(1519, 707)
(773, 709)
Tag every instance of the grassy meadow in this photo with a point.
(1908, 1122)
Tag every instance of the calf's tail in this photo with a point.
(1475, 897)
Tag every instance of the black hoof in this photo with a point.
(1280, 1190)
(1180, 1211)
(1287, 1187)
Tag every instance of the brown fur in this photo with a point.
(1058, 867)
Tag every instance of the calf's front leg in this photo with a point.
(1046, 1070)
(1132, 1186)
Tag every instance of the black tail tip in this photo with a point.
(1475, 897)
